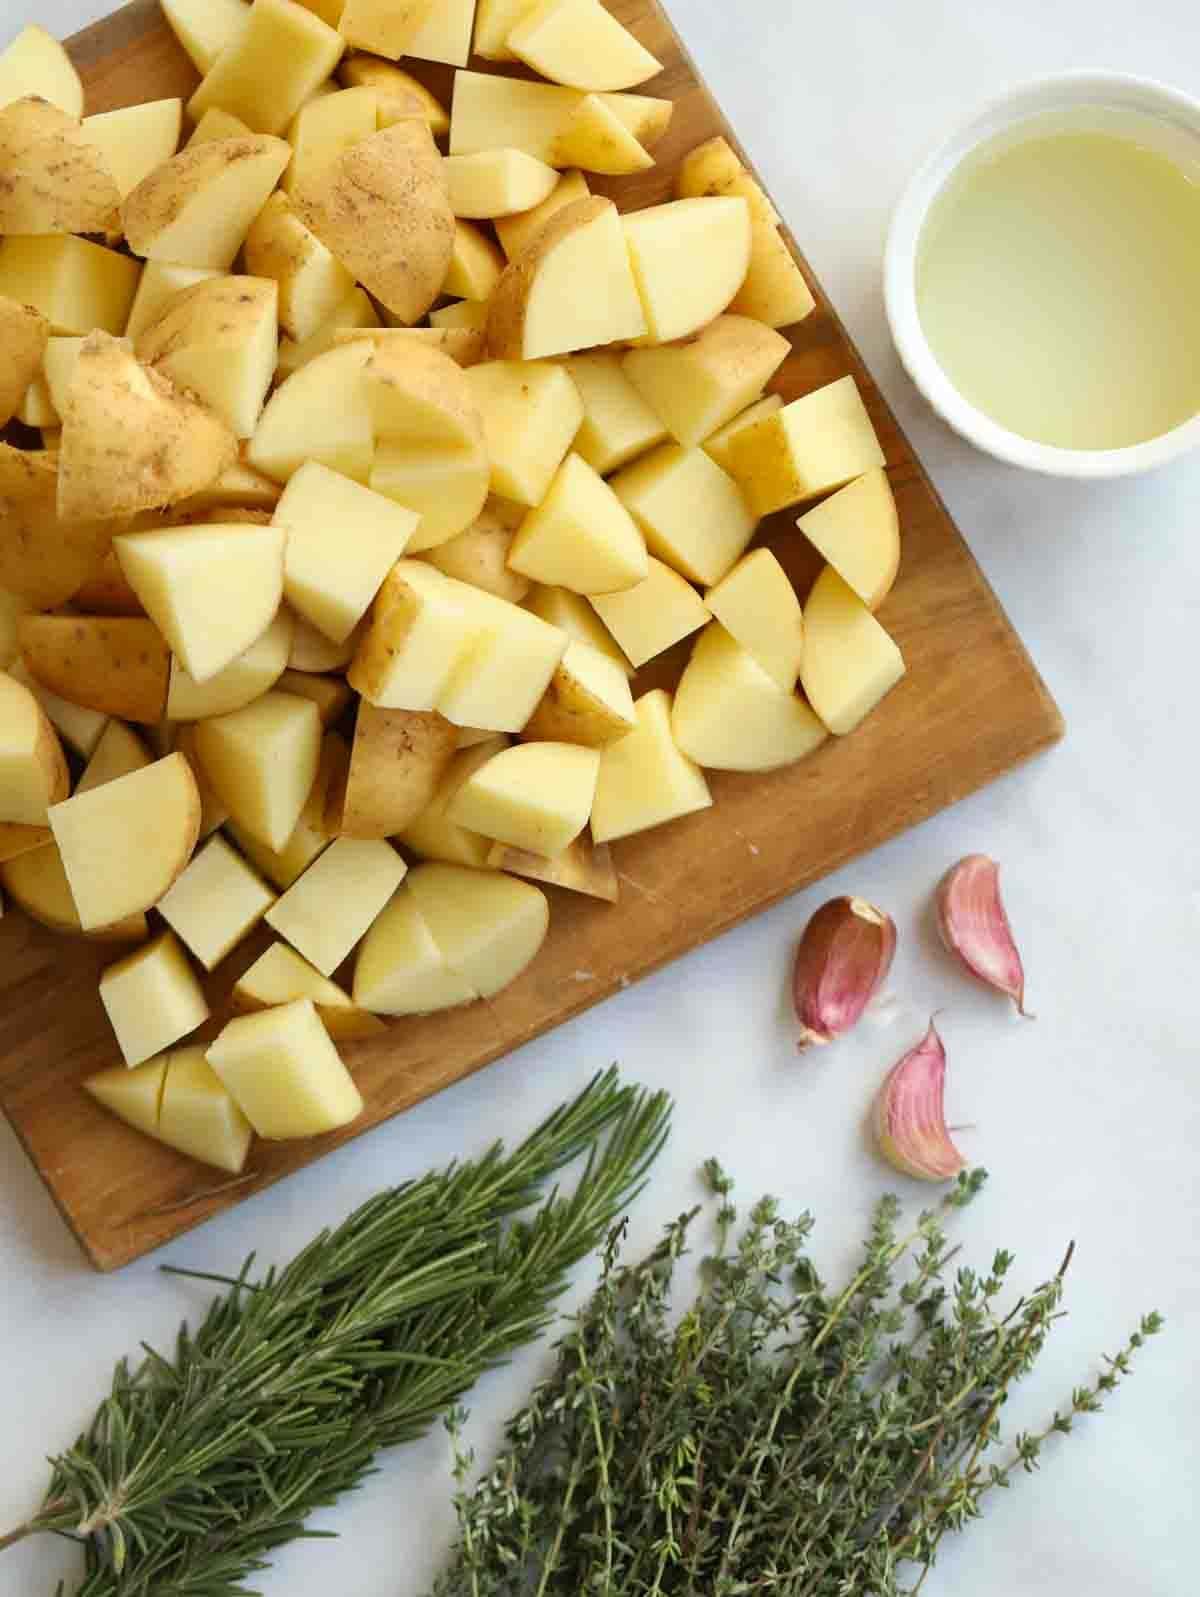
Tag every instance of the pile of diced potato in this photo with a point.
(368, 479)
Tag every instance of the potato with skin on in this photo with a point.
(118, 665)
(205, 27)
(211, 590)
(107, 593)
(319, 413)
(420, 629)
(588, 702)
(857, 530)
(43, 561)
(692, 513)
(817, 443)
(243, 680)
(400, 970)
(501, 678)
(580, 43)
(618, 424)
(534, 796)
(134, 140)
(471, 314)
(215, 903)
(239, 487)
(125, 843)
(78, 726)
(729, 715)
(313, 283)
(434, 835)
(418, 395)
(720, 446)
(152, 998)
(218, 124)
(331, 695)
(262, 761)
(284, 1073)
(17, 840)
(35, 63)
(33, 768)
(270, 66)
(531, 412)
(58, 180)
(341, 542)
(581, 536)
(398, 94)
(24, 332)
(12, 607)
(157, 287)
(700, 385)
(850, 662)
(397, 760)
(571, 289)
(689, 257)
(356, 312)
(647, 620)
(323, 128)
(310, 836)
(75, 284)
(596, 138)
(479, 556)
(330, 908)
(646, 780)
(132, 441)
(583, 868)
(196, 208)
(447, 488)
(386, 27)
(464, 345)
(37, 884)
(383, 209)
(488, 927)
(496, 183)
(757, 605)
(476, 264)
(516, 233)
(280, 976)
(562, 127)
(576, 617)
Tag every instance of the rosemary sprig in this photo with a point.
(201, 1463)
(780, 1438)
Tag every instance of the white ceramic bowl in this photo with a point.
(1157, 116)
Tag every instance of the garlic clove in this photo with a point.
(843, 960)
(975, 928)
(909, 1116)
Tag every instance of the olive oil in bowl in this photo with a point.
(1058, 287)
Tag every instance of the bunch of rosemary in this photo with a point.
(199, 1464)
(780, 1438)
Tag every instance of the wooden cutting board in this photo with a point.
(971, 708)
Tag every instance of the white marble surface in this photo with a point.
(1089, 1120)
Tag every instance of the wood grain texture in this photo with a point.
(971, 708)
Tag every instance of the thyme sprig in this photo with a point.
(203, 1461)
(780, 1438)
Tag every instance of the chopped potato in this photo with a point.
(397, 760)
(588, 701)
(218, 340)
(480, 555)
(419, 630)
(499, 680)
(243, 680)
(534, 796)
(857, 530)
(269, 66)
(445, 35)
(37, 883)
(398, 94)
(35, 63)
(487, 926)
(23, 336)
(324, 128)
(729, 715)
(495, 183)
(284, 1073)
(157, 287)
(313, 283)
(33, 769)
(531, 413)
(280, 976)
(585, 867)
(580, 43)
(691, 512)
(476, 264)
(330, 908)
(133, 1094)
(262, 761)
(320, 413)
(67, 186)
(196, 208)
(118, 665)
(205, 27)
(75, 284)
(690, 257)
(517, 233)
(447, 488)
(197, 1116)
(78, 726)
(400, 969)
(152, 998)
(354, 313)
(618, 424)
(814, 444)
(434, 835)
(310, 836)
(699, 386)
(757, 605)
(135, 139)
(850, 662)
(581, 536)
(720, 446)
(330, 694)
(215, 903)
(648, 619)
(576, 617)
(646, 780)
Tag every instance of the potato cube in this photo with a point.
(396, 762)
(531, 413)
(400, 970)
(494, 183)
(857, 530)
(475, 266)
(205, 27)
(134, 140)
(313, 283)
(582, 868)
(319, 413)
(516, 233)
(38, 884)
(356, 312)
(75, 284)
(598, 139)
(720, 446)
(215, 903)
(398, 93)
(197, 1115)
(650, 618)
(618, 424)
(498, 682)
(152, 998)
(196, 208)
(218, 124)
(118, 752)
(690, 257)
(850, 662)
(342, 540)
(420, 629)
(434, 835)
(158, 285)
(494, 21)
(646, 780)
(33, 769)
(488, 926)
(285, 1074)
(580, 43)
(692, 513)
(445, 34)
(280, 976)
(270, 66)
(576, 617)
(588, 702)
(328, 910)
(211, 590)
(310, 835)
(698, 387)
(419, 395)
(35, 63)
(243, 680)
(447, 488)
(312, 650)
(480, 554)
(729, 715)
(262, 760)
(535, 796)
(811, 446)
(323, 128)
(757, 605)
(581, 536)
(124, 844)
(132, 1093)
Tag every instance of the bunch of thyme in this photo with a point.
(199, 1464)
(780, 1438)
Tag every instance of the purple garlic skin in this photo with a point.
(909, 1117)
(975, 928)
(843, 960)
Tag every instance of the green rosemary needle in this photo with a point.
(779, 1438)
(202, 1462)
